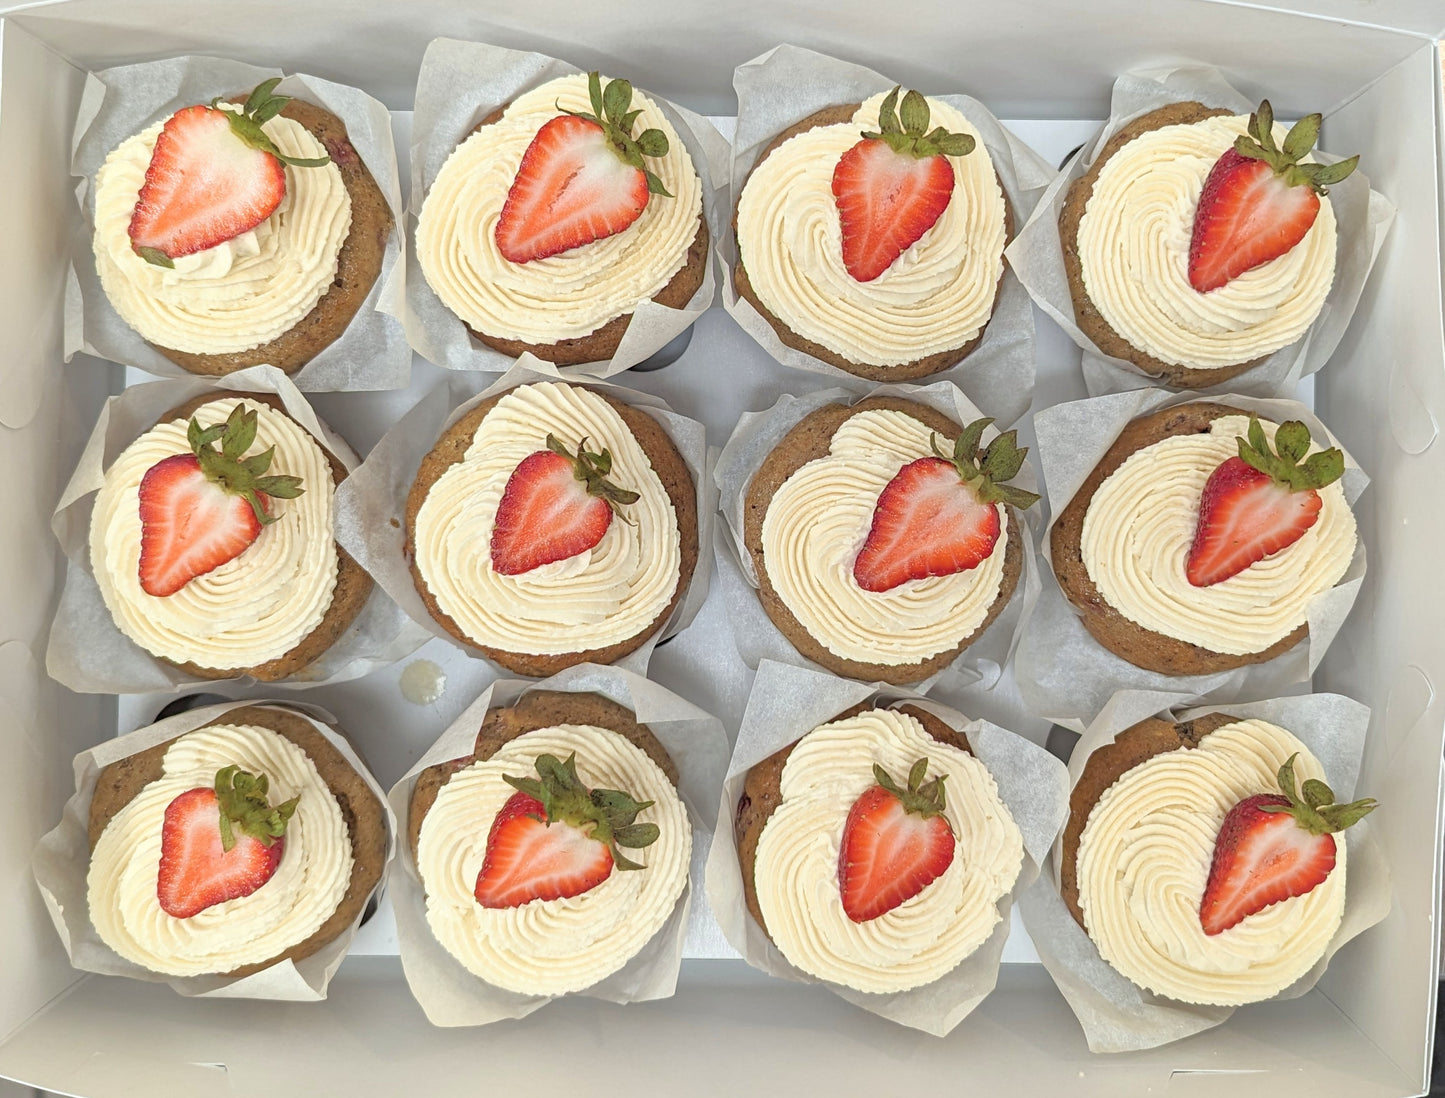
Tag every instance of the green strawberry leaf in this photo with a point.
(652, 143)
(1302, 137)
(914, 114)
(155, 256)
(1292, 440)
(594, 92)
(616, 98)
(888, 113)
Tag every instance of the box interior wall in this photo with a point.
(1364, 1031)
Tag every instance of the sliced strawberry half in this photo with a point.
(190, 525)
(937, 516)
(928, 522)
(527, 859)
(1259, 503)
(583, 178)
(892, 186)
(555, 838)
(555, 505)
(1258, 200)
(213, 175)
(1274, 846)
(202, 509)
(220, 844)
(896, 842)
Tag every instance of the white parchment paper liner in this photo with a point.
(1362, 215)
(371, 353)
(785, 704)
(87, 652)
(1120, 1016)
(460, 84)
(755, 436)
(1064, 674)
(61, 861)
(449, 993)
(786, 85)
(371, 504)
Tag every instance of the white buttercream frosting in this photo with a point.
(551, 947)
(935, 297)
(575, 292)
(1139, 528)
(796, 867)
(308, 885)
(251, 609)
(1144, 858)
(243, 292)
(1134, 252)
(817, 522)
(598, 597)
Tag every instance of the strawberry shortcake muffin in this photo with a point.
(871, 236)
(244, 843)
(557, 849)
(212, 540)
(1199, 241)
(1206, 859)
(552, 525)
(876, 852)
(561, 213)
(1199, 540)
(234, 234)
(884, 536)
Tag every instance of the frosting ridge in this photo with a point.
(309, 883)
(596, 598)
(1139, 528)
(565, 296)
(251, 609)
(935, 297)
(243, 292)
(1134, 241)
(1144, 858)
(551, 947)
(796, 866)
(818, 520)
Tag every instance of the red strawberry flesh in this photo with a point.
(927, 522)
(204, 186)
(190, 525)
(1244, 516)
(1246, 217)
(889, 855)
(545, 515)
(526, 859)
(195, 872)
(1260, 859)
(571, 189)
(886, 201)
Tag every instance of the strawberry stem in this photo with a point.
(919, 797)
(987, 470)
(592, 469)
(1283, 464)
(237, 475)
(261, 106)
(910, 135)
(241, 799)
(1315, 810)
(1259, 144)
(607, 815)
(611, 109)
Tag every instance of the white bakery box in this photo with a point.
(1045, 66)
